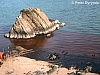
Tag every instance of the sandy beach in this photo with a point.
(26, 66)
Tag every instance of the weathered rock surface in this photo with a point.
(31, 22)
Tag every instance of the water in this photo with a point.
(79, 18)
(80, 38)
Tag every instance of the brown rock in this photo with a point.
(31, 22)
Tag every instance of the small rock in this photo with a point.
(63, 51)
(48, 35)
(62, 24)
(53, 68)
(88, 69)
(80, 73)
(72, 73)
(88, 63)
(53, 56)
(93, 55)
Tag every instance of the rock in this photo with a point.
(81, 72)
(88, 69)
(72, 73)
(53, 68)
(53, 56)
(62, 24)
(48, 35)
(31, 22)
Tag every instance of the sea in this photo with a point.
(80, 38)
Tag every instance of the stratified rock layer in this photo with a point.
(32, 22)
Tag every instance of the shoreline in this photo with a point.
(26, 66)
(79, 48)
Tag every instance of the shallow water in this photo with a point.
(80, 48)
(80, 38)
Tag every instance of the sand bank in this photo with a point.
(26, 66)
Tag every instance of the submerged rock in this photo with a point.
(53, 56)
(31, 22)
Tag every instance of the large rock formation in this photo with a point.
(32, 22)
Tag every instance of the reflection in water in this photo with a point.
(73, 43)
(36, 42)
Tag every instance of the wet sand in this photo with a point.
(73, 48)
